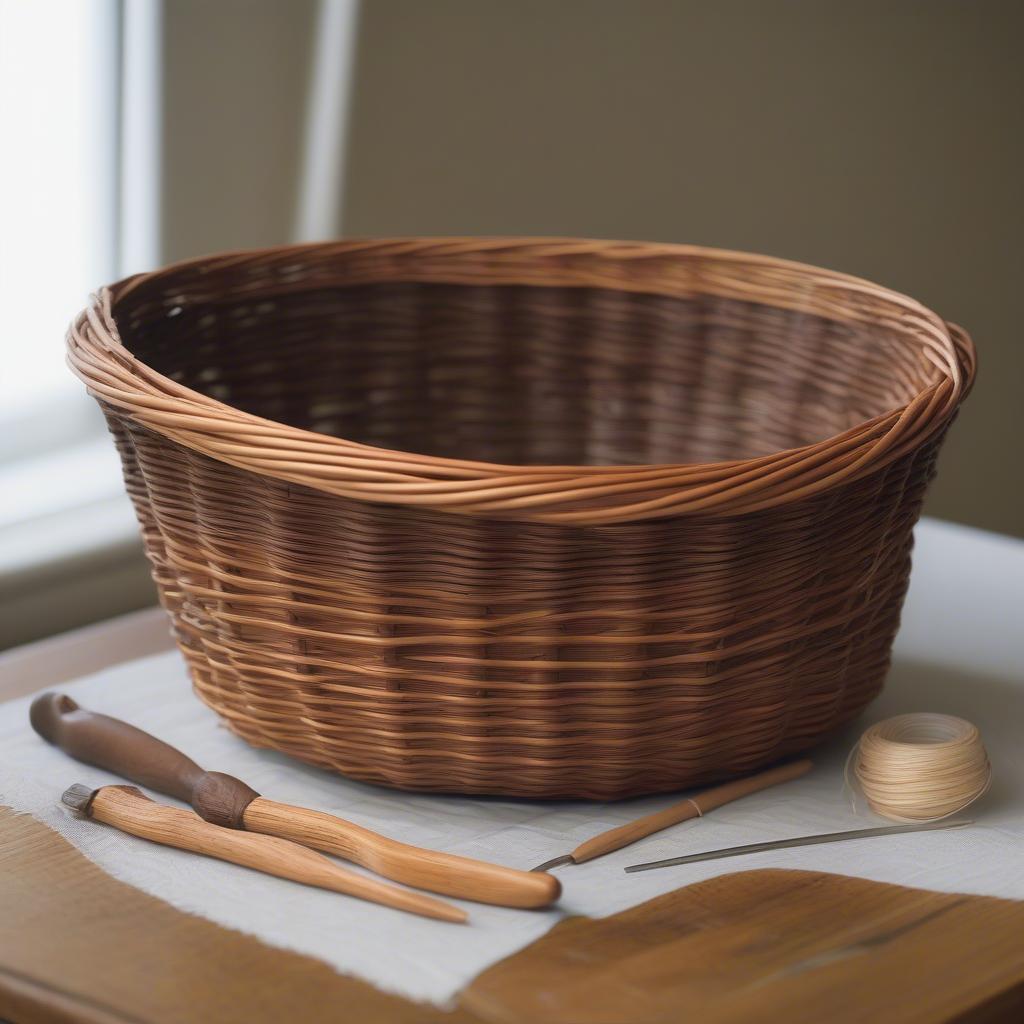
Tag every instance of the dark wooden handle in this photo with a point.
(133, 754)
(114, 745)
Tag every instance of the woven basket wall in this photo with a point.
(534, 517)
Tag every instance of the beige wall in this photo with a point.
(235, 76)
(879, 138)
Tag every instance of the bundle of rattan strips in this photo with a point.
(562, 494)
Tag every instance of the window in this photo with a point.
(68, 194)
(59, 113)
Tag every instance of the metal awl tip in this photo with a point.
(555, 862)
(78, 798)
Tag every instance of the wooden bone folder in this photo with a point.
(224, 800)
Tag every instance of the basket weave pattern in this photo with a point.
(528, 517)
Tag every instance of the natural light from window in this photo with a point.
(58, 117)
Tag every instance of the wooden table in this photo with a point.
(77, 945)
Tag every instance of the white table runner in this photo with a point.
(961, 652)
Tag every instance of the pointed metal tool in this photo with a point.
(786, 844)
(617, 838)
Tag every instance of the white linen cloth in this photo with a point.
(960, 652)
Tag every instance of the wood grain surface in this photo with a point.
(775, 946)
(77, 945)
(433, 870)
(130, 810)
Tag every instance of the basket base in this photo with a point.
(549, 780)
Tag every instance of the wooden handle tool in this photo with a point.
(224, 800)
(617, 838)
(130, 810)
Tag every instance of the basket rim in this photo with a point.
(568, 494)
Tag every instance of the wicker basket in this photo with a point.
(537, 517)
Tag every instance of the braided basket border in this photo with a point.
(580, 495)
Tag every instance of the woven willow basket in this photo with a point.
(536, 517)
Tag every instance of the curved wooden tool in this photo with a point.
(224, 800)
(130, 810)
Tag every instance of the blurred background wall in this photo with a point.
(882, 138)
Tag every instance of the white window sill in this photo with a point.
(70, 551)
(63, 506)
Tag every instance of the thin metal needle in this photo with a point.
(783, 844)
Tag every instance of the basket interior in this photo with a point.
(528, 374)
